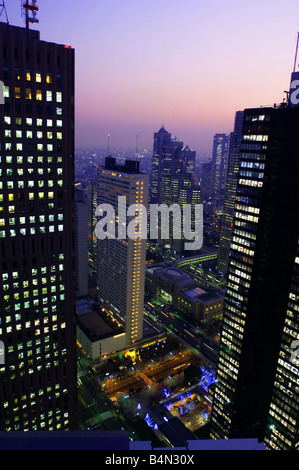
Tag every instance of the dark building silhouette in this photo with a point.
(257, 390)
(37, 288)
(230, 194)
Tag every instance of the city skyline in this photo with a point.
(189, 67)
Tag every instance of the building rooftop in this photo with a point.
(197, 293)
(130, 166)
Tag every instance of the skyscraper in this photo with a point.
(121, 259)
(172, 181)
(81, 243)
(92, 220)
(219, 160)
(257, 383)
(37, 295)
(164, 149)
(230, 194)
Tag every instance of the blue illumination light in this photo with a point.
(207, 378)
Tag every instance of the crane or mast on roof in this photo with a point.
(3, 11)
(29, 12)
(296, 53)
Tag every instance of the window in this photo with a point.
(17, 92)
(39, 95)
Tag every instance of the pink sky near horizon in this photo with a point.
(189, 64)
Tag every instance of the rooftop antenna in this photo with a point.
(108, 146)
(3, 11)
(296, 53)
(136, 147)
(29, 12)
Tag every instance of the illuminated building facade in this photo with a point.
(38, 379)
(81, 242)
(219, 160)
(257, 385)
(121, 261)
(92, 221)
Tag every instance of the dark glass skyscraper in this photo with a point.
(37, 288)
(257, 382)
(230, 194)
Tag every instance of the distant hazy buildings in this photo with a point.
(172, 181)
(121, 262)
(257, 391)
(37, 283)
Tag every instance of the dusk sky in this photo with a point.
(189, 64)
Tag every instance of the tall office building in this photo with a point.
(92, 221)
(81, 242)
(173, 182)
(37, 295)
(121, 259)
(219, 160)
(206, 181)
(230, 194)
(165, 148)
(257, 382)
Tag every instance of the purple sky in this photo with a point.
(189, 64)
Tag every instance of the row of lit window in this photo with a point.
(252, 156)
(35, 302)
(30, 159)
(248, 217)
(254, 147)
(41, 195)
(29, 135)
(237, 280)
(39, 122)
(31, 219)
(32, 231)
(30, 183)
(38, 94)
(29, 120)
(256, 137)
(251, 174)
(37, 76)
(34, 272)
(243, 233)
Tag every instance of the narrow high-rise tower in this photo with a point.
(230, 193)
(219, 160)
(121, 259)
(37, 295)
